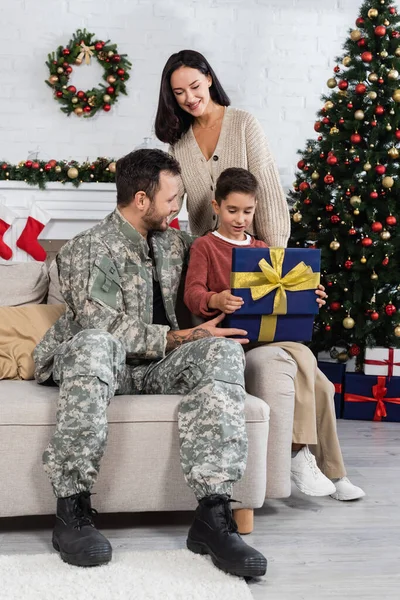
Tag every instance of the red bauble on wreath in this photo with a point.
(82, 48)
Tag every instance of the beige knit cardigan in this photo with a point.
(242, 144)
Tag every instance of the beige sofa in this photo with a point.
(140, 470)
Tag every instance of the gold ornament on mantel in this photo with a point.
(72, 172)
(373, 13)
(347, 61)
(57, 169)
(393, 152)
(331, 83)
(334, 245)
(355, 35)
(113, 167)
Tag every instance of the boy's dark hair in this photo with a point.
(139, 171)
(235, 180)
(171, 120)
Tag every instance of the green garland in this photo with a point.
(82, 47)
(41, 172)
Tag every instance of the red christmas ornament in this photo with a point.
(319, 138)
(59, 94)
(99, 46)
(395, 34)
(350, 105)
(335, 306)
(81, 95)
(348, 193)
(380, 30)
(362, 43)
(304, 186)
(66, 52)
(328, 327)
(354, 350)
(322, 155)
(47, 167)
(110, 90)
(390, 309)
(355, 138)
(385, 261)
(116, 58)
(87, 109)
(341, 121)
(374, 195)
(329, 207)
(28, 163)
(4, 166)
(347, 162)
(379, 110)
(348, 264)
(391, 220)
(106, 107)
(343, 84)
(301, 164)
(329, 179)
(360, 88)
(366, 57)
(120, 72)
(366, 242)
(376, 226)
(380, 169)
(325, 121)
(374, 123)
(374, 316)
(392, 10)
(397, 134)
(65, 65)
(336, 69)
(52, 162)
(332, 160)
(357, 159)
(329, 284)
(317, 125)
(35, 165)
(307, 201)
(360, 22)
(381, 80)
(71, 88)
(335, 219)
(68, 70)
(352, 231)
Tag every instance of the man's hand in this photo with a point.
(209, 329)
(225, 302)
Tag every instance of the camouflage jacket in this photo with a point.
(106, 280)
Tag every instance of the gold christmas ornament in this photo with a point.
(57, 169)
(60, 70)
(397, 331)
(92, 101)
(331, 83)
(348, 323)
(393, 152)
(374, 276)
(385, 235)
(334, 245)
(372, 95)
(396, 95)
(112, 167)
(74, 100)
(363, 260)
(73, 173)
(373, 13)
(397, 51)
(367, 166)
(53, 79)
(359, 115)
(106, 98)
(355, 201)
(393, 74)
(315, 176)
(328, 105)
(110, 54)
(373, 77)
(386, 22)
(111, 79)
(391, 111)
(346, 61)
(297, 217)
(388, 182)
(356, 35)
(388, 127)
(384, 54)
(334, 130)
(78, 111)
(356, 212)
(342, 357)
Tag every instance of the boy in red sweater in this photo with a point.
(207, 293)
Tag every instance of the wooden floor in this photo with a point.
(317, 548)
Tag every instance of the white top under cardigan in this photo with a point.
(242, 144)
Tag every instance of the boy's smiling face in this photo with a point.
(236, 213)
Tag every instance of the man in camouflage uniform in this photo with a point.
(120, 335)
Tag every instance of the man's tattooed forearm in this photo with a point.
(175, 339)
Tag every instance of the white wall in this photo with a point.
(272, 56)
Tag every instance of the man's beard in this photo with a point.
(154, 221)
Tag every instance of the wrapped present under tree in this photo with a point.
(371, 398)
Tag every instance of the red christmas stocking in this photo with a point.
(7, 218)
(175, 223)
(28, 240)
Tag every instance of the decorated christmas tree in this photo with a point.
(347, 190)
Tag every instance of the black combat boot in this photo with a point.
(214, 532)
(75, 536)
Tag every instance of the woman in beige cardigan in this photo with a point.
(207, 136)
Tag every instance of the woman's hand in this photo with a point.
(321, 295)
(225, 302)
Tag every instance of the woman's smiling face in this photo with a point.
(191, 90)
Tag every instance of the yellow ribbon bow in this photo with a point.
(87, 53)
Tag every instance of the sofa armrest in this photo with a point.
(270, 374)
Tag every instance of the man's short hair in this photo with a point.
(139, 171)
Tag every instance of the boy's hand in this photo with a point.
(225, 302)
(321, 295)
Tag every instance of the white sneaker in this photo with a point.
(345, 490)
(307, 477)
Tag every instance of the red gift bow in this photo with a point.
(389, 362)
(379, 392)
(338, 388)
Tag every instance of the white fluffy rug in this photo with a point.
(170, 575)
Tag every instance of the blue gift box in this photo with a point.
(278, 288)
(371, 398)
(335, 373)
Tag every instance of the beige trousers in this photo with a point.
(291, 368)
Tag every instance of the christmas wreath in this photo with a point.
(82, 47)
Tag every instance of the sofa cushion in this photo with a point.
(21, 328)
(23, 283)
(54, 296)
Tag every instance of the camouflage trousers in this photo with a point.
(208, 373)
